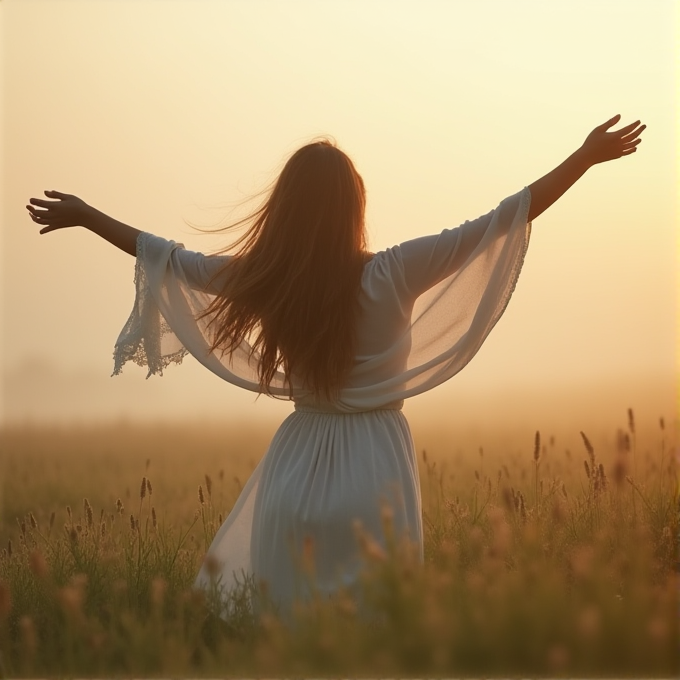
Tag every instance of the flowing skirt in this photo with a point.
(323, 473)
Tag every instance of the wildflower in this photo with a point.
(29, 638)
(212, 566)
(158, 587)
(589, 622)
(5, 600)
(37, 564)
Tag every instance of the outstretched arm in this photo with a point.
(600, 146)
(70, 211)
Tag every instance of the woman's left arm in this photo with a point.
(599, 146)
(66, 211)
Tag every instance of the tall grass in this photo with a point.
(551, 563)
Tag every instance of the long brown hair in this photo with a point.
(292, 288)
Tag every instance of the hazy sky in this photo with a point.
(160, 111)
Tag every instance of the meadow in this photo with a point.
(539, 560)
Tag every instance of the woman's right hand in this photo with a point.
(64, 211)
(601, 146)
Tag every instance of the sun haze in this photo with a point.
(162, 113)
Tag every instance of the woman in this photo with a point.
(302, 311)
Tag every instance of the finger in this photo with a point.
(47, 230)
(37, 220)
(633, 134)
(34, 211)
(57, 194)
(629, 145)
(42, 203)
(609, 123)
(628, 128)
(629, 151)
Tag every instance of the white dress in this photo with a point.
(426, 307)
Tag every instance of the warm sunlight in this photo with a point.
(158, 113)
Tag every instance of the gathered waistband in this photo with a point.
(330, 409)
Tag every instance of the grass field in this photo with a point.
(538, 561)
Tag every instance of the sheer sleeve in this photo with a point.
(173, 287)
(452, 289)
(202, 272)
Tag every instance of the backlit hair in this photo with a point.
(292, 288)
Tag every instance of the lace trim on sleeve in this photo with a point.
(140, 339)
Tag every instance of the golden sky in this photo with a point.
(156, 111)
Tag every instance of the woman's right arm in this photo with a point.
(70, 211)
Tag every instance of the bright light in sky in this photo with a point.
(153, 111)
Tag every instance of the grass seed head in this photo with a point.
(603, 476)
(587, 467)
(132, 522)
(154, 519)
(119, 507)
(589, 449)
(201, 497)
(208, 485)
(537, 447)
(142, 490)
(37, 564)
(9, 548)
(631, 421)
(662, 423)
(53, 516)
(88, 512)
(148, 486)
